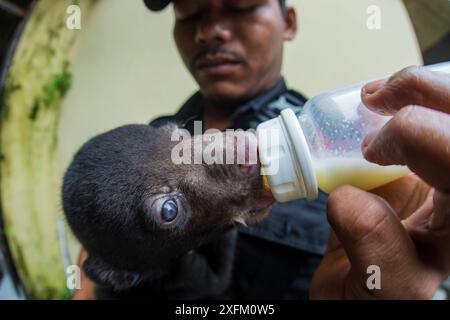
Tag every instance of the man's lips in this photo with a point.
(217, 65)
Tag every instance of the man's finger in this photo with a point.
(441, 216)
(413, 194)
(333, 242)
(411, 86)
(368, 228)
(421, 145)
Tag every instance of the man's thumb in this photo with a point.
(371, 233)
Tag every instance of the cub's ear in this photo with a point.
(166, 122)
(104, 274)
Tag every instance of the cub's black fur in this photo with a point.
(154, 228)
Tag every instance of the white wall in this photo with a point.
(335, 47)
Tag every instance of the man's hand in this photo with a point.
(87, 290)
(404, 227)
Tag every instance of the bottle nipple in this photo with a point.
(265, 183)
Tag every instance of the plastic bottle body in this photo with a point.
(335, 125)
(321, 149)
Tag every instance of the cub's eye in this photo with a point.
(169, 211)
(166, 210)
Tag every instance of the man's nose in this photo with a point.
(212, 30)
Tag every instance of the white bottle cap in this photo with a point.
(286, 159)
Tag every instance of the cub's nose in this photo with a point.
(245, 146)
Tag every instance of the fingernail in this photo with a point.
(369, 89)
(364, 92)
(365, 146)
(373, 87)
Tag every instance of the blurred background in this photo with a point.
(59, 87)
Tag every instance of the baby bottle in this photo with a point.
(321, 148)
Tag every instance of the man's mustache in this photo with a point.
(223, 53)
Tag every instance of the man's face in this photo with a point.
(233, 48)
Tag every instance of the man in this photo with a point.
(234, 51)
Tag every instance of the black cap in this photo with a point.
(157, 5)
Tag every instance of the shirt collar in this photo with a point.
(261, 101)
(192, 110)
